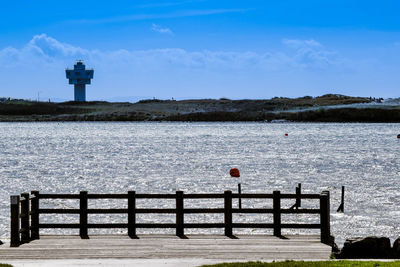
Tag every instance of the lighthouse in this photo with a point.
(79, 76)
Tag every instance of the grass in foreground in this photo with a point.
(5, 265)
(310, 264)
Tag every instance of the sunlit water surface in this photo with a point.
(196, 157)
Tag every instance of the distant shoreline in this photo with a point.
(326, 108)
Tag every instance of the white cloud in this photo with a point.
(50, 47)
(42, 60)
(301, 43)
(312, 54)
(45, 49)
(42, 49)
(159, 29)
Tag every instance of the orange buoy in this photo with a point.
(398, 136)
(286, 134)
(234, 172)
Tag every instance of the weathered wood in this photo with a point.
(107, 196)
(301, 226)
(240, 196)
(25, 231)
(14, 206)
(203, 195)
(209, 210)
(132, 214)
(298, 194)
(173, 211)
(342, 197)
(156, 196)
(179, 214)
(283, 225)
(204, 225)
(300, 211)
(277, 212)
(341, 206)
(107, 211)
(302, 196)
(158, 225)
(245, 247)
(35, 215)
(253, 195)
(107, 225)
(179, 210)
(121, 211)
(83, 215)
(253, 225)
(325, 217)
(228, 213)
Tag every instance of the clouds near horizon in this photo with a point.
(175, 72)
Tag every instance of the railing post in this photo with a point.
(228, 212)
(342, 198)
(277, 212)
(325, 217)
(179, 214)
(25, 236)
(15, 240)
(341, 206)
(35, 215)
(83, 216)
(132, 214)
(239, 196)
(298, 198)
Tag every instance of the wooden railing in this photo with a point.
(25, 213)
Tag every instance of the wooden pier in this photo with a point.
(26, 225)
(248, 248)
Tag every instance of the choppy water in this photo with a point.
(196, 157)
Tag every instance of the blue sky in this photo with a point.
(201, 49)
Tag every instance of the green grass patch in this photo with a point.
(309, 264)
(5, 265)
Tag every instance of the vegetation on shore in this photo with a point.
(304, 109)
(5, 265)
(310, 264)
(26, 108)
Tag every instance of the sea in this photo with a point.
(152, 157)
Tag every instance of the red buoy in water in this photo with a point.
(398, 136)
(286, 134)
(234, 172)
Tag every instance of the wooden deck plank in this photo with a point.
(165, 246)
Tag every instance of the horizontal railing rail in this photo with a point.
(26, 210)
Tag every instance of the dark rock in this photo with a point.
(366, 248)
(335, 248)
(396, 248)
(1, 243)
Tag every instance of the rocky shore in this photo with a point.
(369, 248)
(326, 108)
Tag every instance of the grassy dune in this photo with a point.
(327, 108)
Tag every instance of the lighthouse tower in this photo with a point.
(79, 77)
